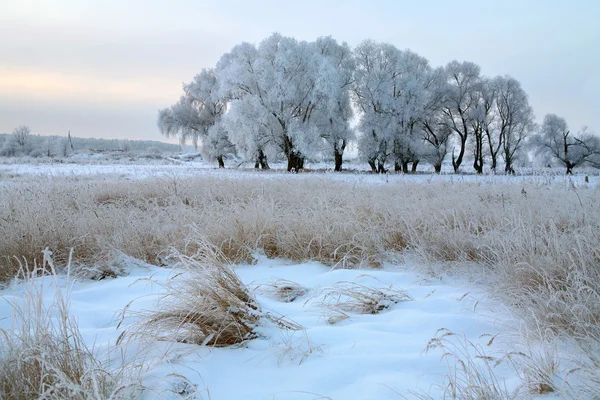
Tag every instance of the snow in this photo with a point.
(356, 173)
(363, 357)
(379, 356)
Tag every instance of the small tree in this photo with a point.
(19, 143)
(50, 146)
(21, 136)
(124, 145)
(570, 150)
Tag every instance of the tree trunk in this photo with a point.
(478, 155)
(570, 167)
(405, 167)
(508, 169)
(381, 168)
(438, 168)
(477, 166)
(414, 166)
(295, 162)
(338, 153)
(338, 161)
(457, 161)
(397, 166)
(261, 161)
(220, 161)
(372, 165)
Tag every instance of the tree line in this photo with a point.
(291, 99)
(23, 143)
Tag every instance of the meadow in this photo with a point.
(213, 241)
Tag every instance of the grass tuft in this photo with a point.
(206, 304)
(283, 290)
(351, 297)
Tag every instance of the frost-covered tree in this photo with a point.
(198, 116)
(482, 118)
(51, 146)
(124, 145)
(276, 85)
(515, 121)
(19, 143)
(462, 98)
(333, 112)
(435, 129)
(181, 120)
(391, 92)
(555, 139)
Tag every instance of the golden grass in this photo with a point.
(538, 241)
(282, 290)
(205, 304)
(350, 297)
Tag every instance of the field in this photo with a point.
(183, 281)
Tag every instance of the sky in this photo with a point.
(104, 68)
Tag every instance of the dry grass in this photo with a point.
(282, 290)
(205, 304)
(43, 356)
(296, 347)
(471, 371)
(351, 297)
(537, 241)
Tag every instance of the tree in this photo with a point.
(198, 116)
(333, 112)
(124, 145)
(435, 129)
(482, 119)
(51, 146)
(181, 119)
(571, 150)
(277, 82)
(463, 83)
(391, 92)
(19, 143)
(515, 120)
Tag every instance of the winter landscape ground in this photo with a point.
(177, 280)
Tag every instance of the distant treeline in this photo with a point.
(22, 143)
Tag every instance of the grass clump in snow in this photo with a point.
(283, 290)
(206, 304)
(42, 353)
(351, 297)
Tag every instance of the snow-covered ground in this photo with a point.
(363, 357)
(379, 356)
(357, 172)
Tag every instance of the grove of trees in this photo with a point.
(293, 100)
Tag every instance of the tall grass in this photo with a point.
(539, 242)
(42, 353)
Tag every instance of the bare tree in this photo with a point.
(463, 81)
(482, 119)
(515, 120)
(570, 150)
(435, 127)
(21, 137)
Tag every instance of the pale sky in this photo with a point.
(104, 68)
